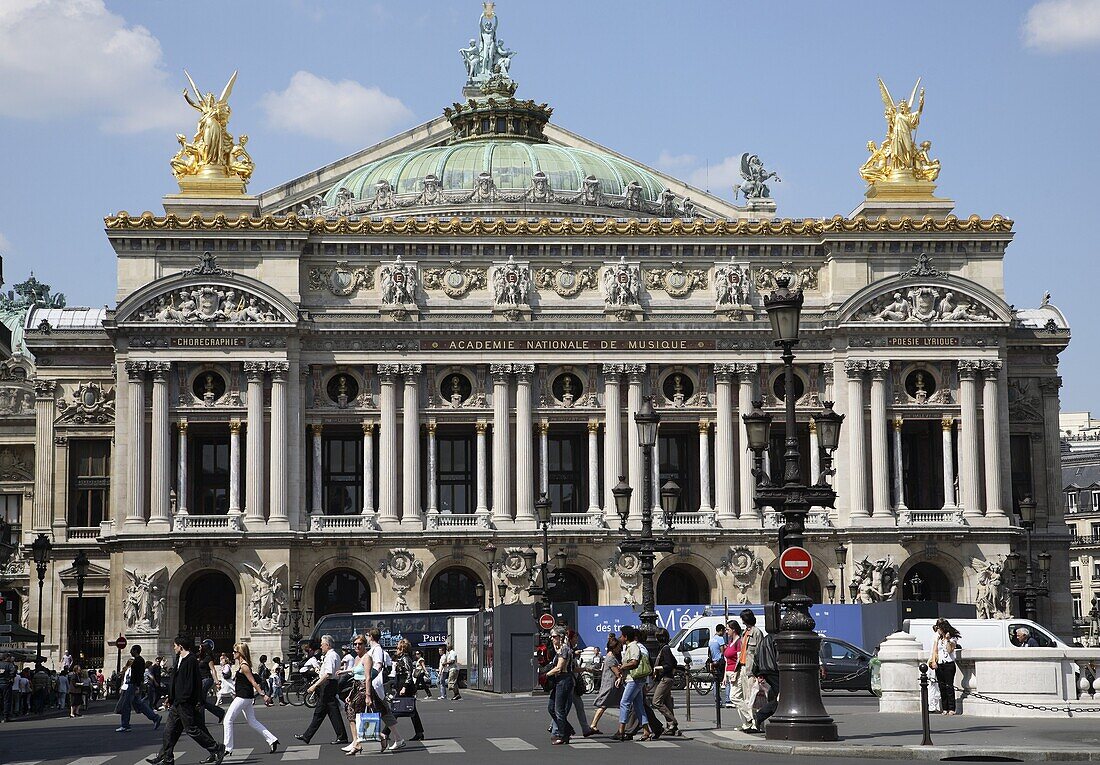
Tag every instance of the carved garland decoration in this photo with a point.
(454, 282)
(91, 404)
(566, 281)
(341, 280)
(804, 279)
(676, 281)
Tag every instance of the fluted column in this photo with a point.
(482, 468)
(411, 511)
(815, 453)
(544, 456)
(368, 468)
(160, 474)
(612, 440)
(234, 466)
(746, 373)
(949, 498)
(723, 444)
(525, 463)
(135, 443)
(254, 473)
(704, 467)
(593, 466)
(880, 449)
(387, 445)
(44, 412)
(433, 472)
(502, 448)
(857, 441)
(277, 505)
(969, 468)
(635, 373)
(316, 431)
(899, 466)
(182, 488)
(991, 421)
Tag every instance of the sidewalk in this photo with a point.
(866, 733)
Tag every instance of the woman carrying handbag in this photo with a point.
(405, 686)
(943, 662)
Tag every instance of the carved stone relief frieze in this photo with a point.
(925, 304)
(341, 280)
(621, 284)
(403, 569)
(207, 304)
(398, 281)
(144, 599)
(566, 281)
(511, 283)
(876, 580)
(454, 281)
(731, 284)
(91, 404)
(627, 568)
(743, 566)
(676, 281)
(16, 463)
(1025, 404)
(267, 604)
(803, 279)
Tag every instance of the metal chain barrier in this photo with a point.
(1018, 705)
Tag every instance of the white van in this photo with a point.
(694, 636)
(984, 633)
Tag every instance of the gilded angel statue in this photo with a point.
(899, 156)
(212, 153)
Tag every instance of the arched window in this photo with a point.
(926, 581)
(811, 585)
(210, 610)
(453, 588)
(574, 586)
(341, 591)
(682, 585)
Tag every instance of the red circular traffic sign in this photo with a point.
(546, 621)
(796, 563)
(121, 642)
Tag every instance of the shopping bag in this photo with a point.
(934, 704)
(758, 693)
(369, 726)
(403, 706)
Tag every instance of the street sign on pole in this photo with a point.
(546, 622)
(796, 563)
(120, 642)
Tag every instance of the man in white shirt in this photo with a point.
(327, 705)
(452, 671)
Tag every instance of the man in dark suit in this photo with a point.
(184, 696)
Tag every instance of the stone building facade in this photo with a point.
(363, 379)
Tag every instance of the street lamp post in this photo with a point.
(296, 620)
(1035, 582)
(801, 716)
(80, 565)
(841, 553)
(40, 550)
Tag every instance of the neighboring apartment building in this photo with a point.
(1081, 485)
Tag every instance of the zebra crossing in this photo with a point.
(313, 752)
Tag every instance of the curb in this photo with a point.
(906, 752)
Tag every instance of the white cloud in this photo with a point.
(344, 112)
(1059, 25)
(719, 178)
(64, 58)
(671, 163)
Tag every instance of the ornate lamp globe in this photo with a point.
(560, 559)
(784, 307)
(758, 426)
(1044, 561)
(502, 592)
(530, 557)
(479, 592)
(841, 553)
(828, 427)
(647, 420)
(831, 589)
(40, 550)
(81, 564)
(1027, 512)
(670, 497)
(543, 508)
(622, 492)
(296, 592)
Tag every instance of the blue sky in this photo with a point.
(91, 105)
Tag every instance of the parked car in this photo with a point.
(847, 667)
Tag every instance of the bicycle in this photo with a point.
(296, 692)
(699, 680)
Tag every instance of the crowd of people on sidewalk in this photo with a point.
(38, 690)
(745, 666)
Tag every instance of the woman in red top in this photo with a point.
(732, 652)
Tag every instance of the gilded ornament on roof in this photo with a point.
(899, 163)
(212, 163)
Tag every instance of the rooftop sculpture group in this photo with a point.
(486, 56)
(212, 162)
(899, 159)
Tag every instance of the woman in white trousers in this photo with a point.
(246, 689)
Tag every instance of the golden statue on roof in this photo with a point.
(211, 163)
(899, 162)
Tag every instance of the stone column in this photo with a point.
(368, 468)
(254, 473)
(482, 468)
(544, 456)
(433, 472)
(857, 442)
(899, 466)
(969, 468)
(45, 406)
(612, 440)
(880, 448)
(704, 467)
(277, 505)
(593, 466)
(316, 430)
(182, 489)
(746, 483)
(411, 512)
(949, 498)
(723, 444)
(502, 448)
(635, 373)
(135, 442)
(160, 481)
(991, 421)
(387, 446)
(525, 462)
(815, 453)
(234, 466)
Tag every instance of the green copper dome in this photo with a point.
(512, 164)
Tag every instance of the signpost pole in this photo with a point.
(120, 643)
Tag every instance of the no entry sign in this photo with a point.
(796, 563)
(120, 643)
(546, 622)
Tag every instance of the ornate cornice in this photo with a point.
(147, 221)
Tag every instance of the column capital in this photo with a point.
(827, 371)
(855, 368)
(544, 426)
(368, 427)
(947, 422)
(523, 372)
(898, 422)
(1049, 386)
(254, 370)
(990, 367)
(813, 424)
(279, 370)
(968, 368)
(481, 426)
(878, 369)
(611, 372)
(500, 372)
(182, 425)
(386, 372)
(593, 425)
(316, 428)
(746, 370)
(723, 372)
(704, 425)
(431, 426)
(634, 371)
(135, 369)
(160, 370)
(410, 370)
(235, 426)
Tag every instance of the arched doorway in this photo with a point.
(682, 585)
(453, 588)
(574, 586)
(341, 591)
(210, 610)
(811, 585)
(928, 582)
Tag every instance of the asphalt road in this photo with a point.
(481, 727)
